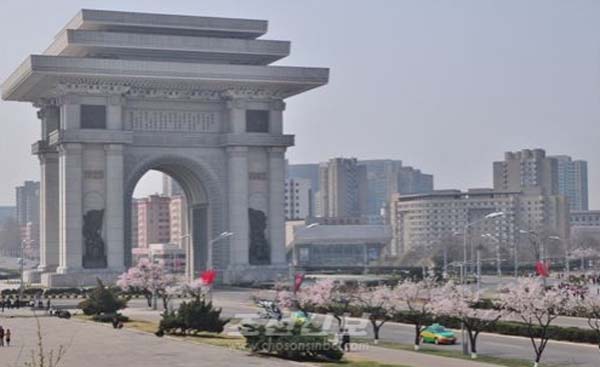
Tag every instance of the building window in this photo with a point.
(93, 117)
(257, 121)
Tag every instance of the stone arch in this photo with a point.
(201, 188)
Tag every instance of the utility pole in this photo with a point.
(22, 285)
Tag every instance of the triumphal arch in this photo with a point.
(122, 93)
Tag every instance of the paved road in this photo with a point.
(237, 301)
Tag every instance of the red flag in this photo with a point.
(298, 279)
(208, 276)
(542, 268)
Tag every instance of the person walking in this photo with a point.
(7, 337)
(345, 340)
(1, 336)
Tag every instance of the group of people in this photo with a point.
(5, 336)
(9, 303)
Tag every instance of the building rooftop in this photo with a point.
(119, 21)
(343, 234)
(199, 57)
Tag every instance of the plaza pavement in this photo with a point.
(235, 301)
(98, 345)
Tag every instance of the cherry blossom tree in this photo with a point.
(537, 306)
(590, 305)
(417, 298)
(149, 278)
(197, 289)
(309, 297)
(459, 302)
(379, 304)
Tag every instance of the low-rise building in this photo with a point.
(170, 256)
(336, 246)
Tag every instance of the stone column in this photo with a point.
(49, 212)
(276, 218)
(114, 213)
(70, 203)
(237, 116)
(276, 117)
(238, 204)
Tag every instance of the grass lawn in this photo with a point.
(501, 361)
(360, 364)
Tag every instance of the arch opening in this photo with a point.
(167, 212)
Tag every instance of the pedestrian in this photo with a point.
(2, 304)
(346, 341)
(48, 305)
(7, 337)
(1, 336)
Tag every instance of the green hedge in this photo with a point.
(108, 317)
(570, 334)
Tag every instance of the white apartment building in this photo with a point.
(423, 219)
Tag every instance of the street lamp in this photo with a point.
(220, 237)
(498, 260)
(462, 273)
(294, 257)
(21, 261)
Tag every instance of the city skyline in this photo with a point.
(482, 89)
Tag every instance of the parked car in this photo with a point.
(438, 334)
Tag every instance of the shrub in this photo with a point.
(33, 291)
(297, 341)
(102, 300)
(63, 291)
(194, 316)
(109, 317)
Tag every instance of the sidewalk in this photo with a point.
(413, 359)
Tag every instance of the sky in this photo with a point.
(445, 86)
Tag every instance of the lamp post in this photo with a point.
(21, 261)
(294, 260)
(222, 236)
(498, 259)
(463, 275)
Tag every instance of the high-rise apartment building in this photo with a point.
(527, 169)
(134, 223)
(170, 187)
(310, 172)
(343, 188)
(573, 181)
(298, 199)
(178, 220)
(28, 217)
(154, 215)
(28, 203)
(386, 177)
(7, 212)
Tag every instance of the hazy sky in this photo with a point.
(445, 86)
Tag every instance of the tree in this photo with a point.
(459, 301)
(537, 307)
(378, 303)
(149, 278)
(325, 296)
(417, 298)
(102, 300)
(590, 305)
